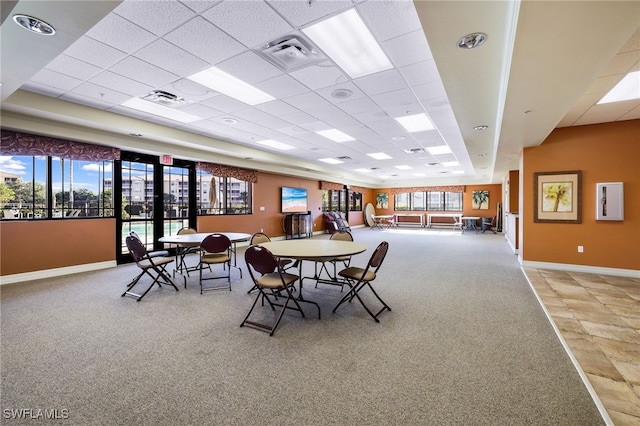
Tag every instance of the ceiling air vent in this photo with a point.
(163, 98)
(344, 158)
(291, 52)
(414, 151)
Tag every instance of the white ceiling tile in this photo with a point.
(157, 17)
(169, 57)
(200, 6)
(100, 93)
(381, 82)
(250, 22)
(253, 114)
(55, 79)
(120, 33)
(224, 103)
(125, 85)
(325, 112)
(341, 121)
(319, 76)
(94, 52)
(357, 106)
(300, 13)
(378, 13)
(144, 72)
(46, 90)
(282, 86)
(327, 93)
(395, 98)
(85, 100)
(249, 67)
(298, 118)
(306, 101)
(273, 122)
(278, 108)
(201, 111)
(432, 95)
(408, 49)
(199, 36)
(421, 73)
(73, 67)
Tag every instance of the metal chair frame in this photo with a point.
(147, 264)
(215, 249)
(360, 278)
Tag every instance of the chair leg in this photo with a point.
(354, 293)
(272, 328)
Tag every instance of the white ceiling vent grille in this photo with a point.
(163, 98)
(291, 52)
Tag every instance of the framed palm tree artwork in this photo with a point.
(480, 200)
(382, 200)
(558, 197)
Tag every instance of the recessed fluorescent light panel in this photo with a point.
(160, 110)
(439, 150)
(403, 167)
(220, 81)
(457, 172)
(275, 144)
(628, 88)
(347, 40)
(335, 135)
(379, 156)
(415, 123)
(450, 163)
(364, 170)
(418, 174)
(331, 160)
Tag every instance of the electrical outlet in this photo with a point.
(580, 249)
(261, 230)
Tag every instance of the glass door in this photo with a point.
(154, 201)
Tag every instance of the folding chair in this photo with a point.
(259, 238)
(267, 274)
(359, 278)
(182, 250)
(152, 266)
(488, 224)
(215, 249)
(346, 260)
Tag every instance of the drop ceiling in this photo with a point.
(544, 65)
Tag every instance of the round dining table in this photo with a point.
(313, 250)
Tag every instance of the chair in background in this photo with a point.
(360, 278)
(272, 284)
(345, 260)
(259, 238)
(182, 250)
(488, 224)
(215, 249)
(155, 253)
(152, 266)
(457, 223)
(392, 222)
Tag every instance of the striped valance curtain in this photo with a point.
(222, 170)
(16, 143)
(451, 188)
(358, 189)
(331, 185)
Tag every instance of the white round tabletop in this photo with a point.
(198, 237)
(309, 248)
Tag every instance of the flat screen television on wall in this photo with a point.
(294, 200)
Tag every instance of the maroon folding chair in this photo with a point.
(152, 265)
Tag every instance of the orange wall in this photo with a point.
(495, 197)
(27, 246)
(604, 153)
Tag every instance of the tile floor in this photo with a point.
(598, 316)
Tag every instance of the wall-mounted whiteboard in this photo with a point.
(610, 201)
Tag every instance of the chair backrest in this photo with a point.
(378, 256)
(342, 236)
(136, 248)
(187, 231)
(259, 238)
(260, 259)
(215, 243)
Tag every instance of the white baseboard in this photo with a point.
(582, 268)
(56, 272)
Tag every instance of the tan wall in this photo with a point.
(604, 153)
(27, 246)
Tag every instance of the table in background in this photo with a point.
(313, 249)
(234, 237)
(432, 215)
(410, 222)
(378, 220)
(471, 222)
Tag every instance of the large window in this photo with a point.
(428, 200)
(341, 200)
(222, 195)
(40, 187)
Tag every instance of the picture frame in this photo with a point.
(558, 197)
(382, 200)
(480, 200)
